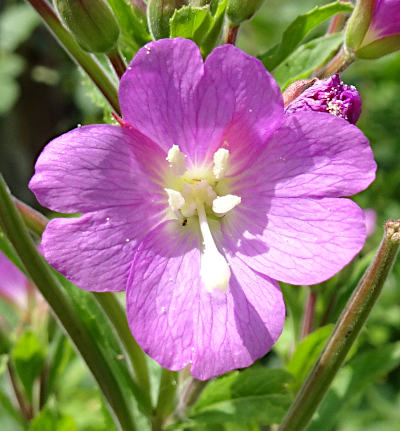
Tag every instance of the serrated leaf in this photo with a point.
(307, 58)
(28, 357)
(351, 381)
(49, 420)
(306, 354)
(191, 23)
(253, 395)
(299, 29)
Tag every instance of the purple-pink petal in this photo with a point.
(179, 323)
(385, 20)
(173, 98)
(312, 154)
(295, 240)
(96, 167)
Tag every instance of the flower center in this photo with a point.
(194, 193)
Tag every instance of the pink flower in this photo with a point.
(205, 197)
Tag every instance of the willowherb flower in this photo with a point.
(329, 95)
(204, 197)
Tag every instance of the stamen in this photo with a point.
(175, 200)
(220, 158)
(176, 160)
(223, 204)
(214, 269)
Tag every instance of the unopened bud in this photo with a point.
(374, 28)
(240, 10)
(91, 22)
(329, 95)
(159, 12)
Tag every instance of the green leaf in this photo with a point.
(253, 395)
(299, 29)
(210, 39)
(133, 26)
(191, 22)
(28, 356)
(50, 420)
(199, 25)
(306, 354)
(306, 58)
(351, 381)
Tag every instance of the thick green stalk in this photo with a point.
(54, 294)
(95, 72)
(166, 398)
(113, 309)
(345, 332)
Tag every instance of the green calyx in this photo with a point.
(91, 22)
(241, 10)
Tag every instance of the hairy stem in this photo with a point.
(345, 332)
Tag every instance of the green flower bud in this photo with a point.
(91, 22)
(240, 10)
(159, 12)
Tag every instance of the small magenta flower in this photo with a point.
(204, 197)
(329, 95)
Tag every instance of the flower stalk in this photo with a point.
(166, 398)
(93, 69)
(338, 64)
(345, 332)
(309, 313)
(117, 62)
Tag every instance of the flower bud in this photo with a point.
(91, 22)
(159, 12)
(374, 28)
(240, 10)
(329, 95)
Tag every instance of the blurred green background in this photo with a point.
(42, 95)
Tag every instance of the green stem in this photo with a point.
(166, 398)
(81, 57)
(117, 62)
(55, 295)
(113, 309)
(309, 313)
(34, 220)
(109, 304)
(337, 65)
(345, 332)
